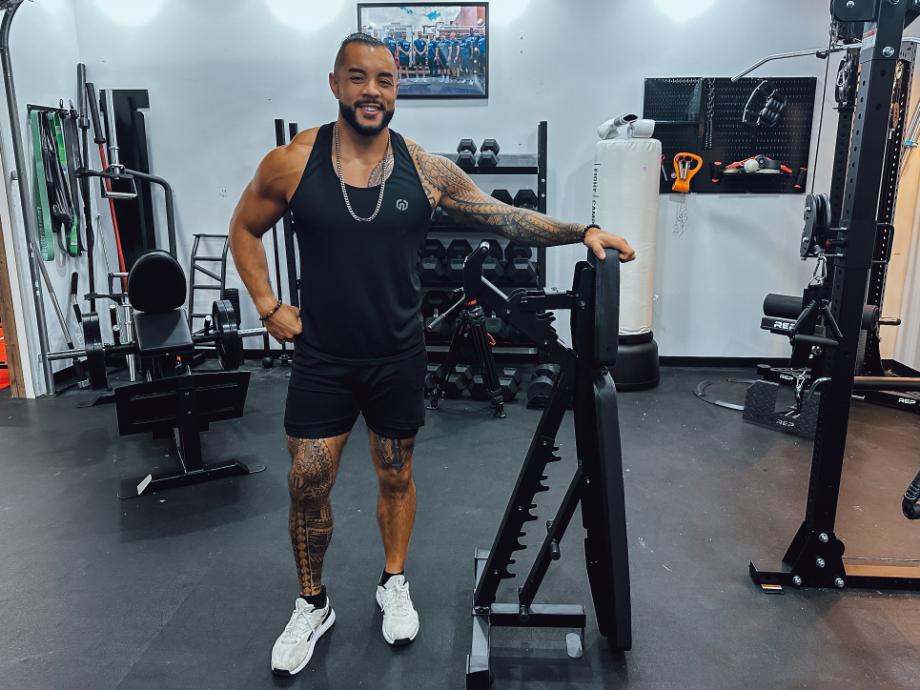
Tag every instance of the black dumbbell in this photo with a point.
(503, 195)
(430, 378)
(466, 154)
(515, 337)
(492, 267)
(510, 381)
(432, 265)
(477, 388)
(519, 265)
(457, 251)
(526, 198)
(541, 385)
(434, 303)
(494, 326)
(488, 153)
(458, 381)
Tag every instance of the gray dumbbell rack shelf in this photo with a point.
(508, 164)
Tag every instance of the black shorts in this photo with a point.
(324, 398)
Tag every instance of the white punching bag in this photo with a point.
(627, 164)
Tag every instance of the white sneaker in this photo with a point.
(400, 619)
(294, 647)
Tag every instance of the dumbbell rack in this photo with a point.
(519, 349)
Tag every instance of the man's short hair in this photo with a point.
(358, 37)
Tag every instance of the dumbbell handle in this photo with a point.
(131, 348)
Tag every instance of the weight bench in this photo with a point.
(597, 484)
(173, 402)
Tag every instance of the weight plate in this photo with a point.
(808, 231)
(823, 217)
(228, 342)
(95, 352)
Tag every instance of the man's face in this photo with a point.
(365, 86)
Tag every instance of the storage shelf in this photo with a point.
(508, 164)
(497, 350)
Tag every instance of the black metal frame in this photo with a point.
(869, 362)
(509, 164)
(598, 480)
(180, 407)
(815, 556)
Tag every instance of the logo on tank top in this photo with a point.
(402, 204)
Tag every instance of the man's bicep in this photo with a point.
(264, 200)
(255, 213)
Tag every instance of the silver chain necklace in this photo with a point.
(338, 170)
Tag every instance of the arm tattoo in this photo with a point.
(391, 453)
(460, 197)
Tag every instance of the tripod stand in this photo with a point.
(469, 327)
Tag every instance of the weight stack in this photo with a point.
(627, 164)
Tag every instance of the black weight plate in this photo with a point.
(95, 352)
(227, 337)
(808, 231)
(823, 217)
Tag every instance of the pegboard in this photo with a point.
(703, 115)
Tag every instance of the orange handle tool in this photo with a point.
(686, 165)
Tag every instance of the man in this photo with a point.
(404, 52)
(466, 56)
(454, 56)
(391, 46)
(361, 197)
(421, 54)
(444, 51)
(432, 56)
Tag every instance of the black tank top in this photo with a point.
(360, 291)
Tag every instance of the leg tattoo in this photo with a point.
(310, 481)
(390, 452)
(396, 500)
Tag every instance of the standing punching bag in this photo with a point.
(627, 163)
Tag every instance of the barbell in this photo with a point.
(225, 336)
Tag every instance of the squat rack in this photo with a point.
(815, 556)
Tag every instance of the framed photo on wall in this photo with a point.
(441, 49)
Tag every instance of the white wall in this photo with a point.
(44, 54)
(902, 294)
(218, 72)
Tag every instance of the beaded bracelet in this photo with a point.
(584, 233)
(270, 314)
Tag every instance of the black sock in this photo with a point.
(386, 576)
(317, 600)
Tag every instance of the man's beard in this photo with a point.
(351, 117)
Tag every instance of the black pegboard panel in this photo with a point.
(675, 99)
(681, 106)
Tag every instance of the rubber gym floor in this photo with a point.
(189, 588)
